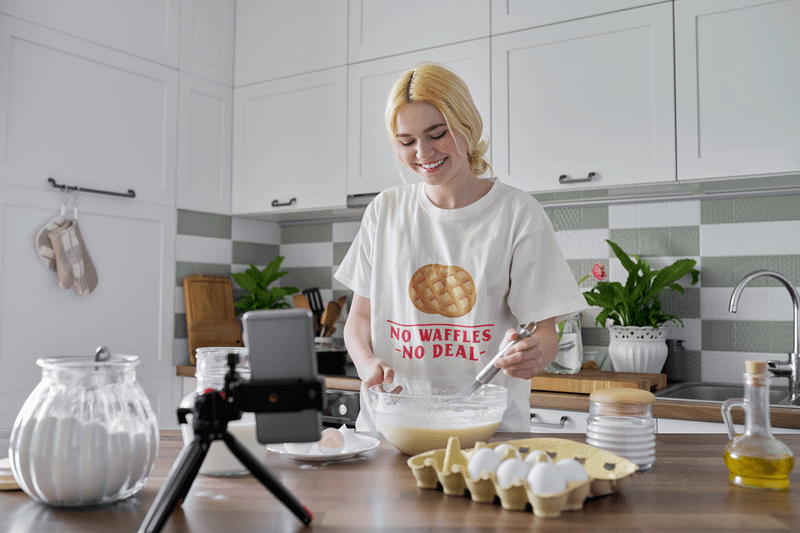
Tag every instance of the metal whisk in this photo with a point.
(490, 371)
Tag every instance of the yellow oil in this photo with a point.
(759, 472)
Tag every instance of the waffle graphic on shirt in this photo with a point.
(445, 290)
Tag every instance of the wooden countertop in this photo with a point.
(687, 490)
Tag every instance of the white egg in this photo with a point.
(300, 448)
(510, 469)
(351, 440)
(332, 442)
(545, 478)
(572, 470)
(533, 457)
(483, 460)
(500, 450)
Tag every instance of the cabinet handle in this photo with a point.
(545, 425)
(563, 178)
(276, 203)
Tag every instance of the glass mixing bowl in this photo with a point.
(423, 415)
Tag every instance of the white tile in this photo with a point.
(180, 301)
(203, 249)
(623, 216)
(753, 304)
(653, 215)
(684, 213)
(779, 306)
(593, 243)
(728, 367)
(570, 243)
(616, 272)
(748, 239)
(253, 230)
(345, 231)
(314, 254)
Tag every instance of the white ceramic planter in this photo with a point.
(638, 349)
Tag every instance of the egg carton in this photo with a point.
(608, 473)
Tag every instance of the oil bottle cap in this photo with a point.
(755, 367)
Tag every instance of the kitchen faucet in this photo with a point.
(778, 368)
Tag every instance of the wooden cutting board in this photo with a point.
(587, 381)
(210, 315)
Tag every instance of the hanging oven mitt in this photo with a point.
(73, 263)
(43, 246)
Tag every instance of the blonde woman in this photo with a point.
(444, 269)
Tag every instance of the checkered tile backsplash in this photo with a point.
(728, 237)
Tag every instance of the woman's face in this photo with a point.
(427, 146)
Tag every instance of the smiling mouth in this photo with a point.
(431, 166)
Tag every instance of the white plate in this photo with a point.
(367, 443)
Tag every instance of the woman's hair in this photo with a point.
(435, 84)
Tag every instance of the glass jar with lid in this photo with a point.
(621, 422)
(212, 366)
(87, 434)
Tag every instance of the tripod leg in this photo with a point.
(267, 479)
(177, 485)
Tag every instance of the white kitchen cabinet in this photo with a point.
(591, 96)
(372, 164)
(557, 421)
(132, 245)
(145, 28)
(207, 39)
(84, 114)
(204, 146)
(380, 29)
(513, 15)
(737, 78)
(290, 144)
(278, 39)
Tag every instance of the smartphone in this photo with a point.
(280, 343)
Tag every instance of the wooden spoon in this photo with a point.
(329, 318)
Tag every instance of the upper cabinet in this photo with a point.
(279, 39)
(85, 114)
(207, 39)
(290, 144)
(380, 29)
(371, 161)
(513, 15)
(737, 70)
(586, 103)
(146, 28)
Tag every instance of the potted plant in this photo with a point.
(259, 293)
(639, 324)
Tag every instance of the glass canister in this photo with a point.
(569, 358)
(212, 365)
(755, 458)
(621, 422)
(87, 434)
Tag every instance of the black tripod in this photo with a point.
(211, 414)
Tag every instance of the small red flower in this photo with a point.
(599, 271)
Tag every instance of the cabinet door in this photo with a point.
(371, 161)
(737, 78)
(207, 38)
(590, 96)
(132, 245)
(513, 15)
(204, 146)
(144, 28)
(277, 39)
(556, 421)
(84, 114)
(290, 144)
(380, 29)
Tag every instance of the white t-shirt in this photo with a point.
(446, 284)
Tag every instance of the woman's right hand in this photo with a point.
(375, 371)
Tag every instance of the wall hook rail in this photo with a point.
(63, 187)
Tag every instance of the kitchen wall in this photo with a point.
(728, 237)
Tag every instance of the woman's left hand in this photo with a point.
(532, 354)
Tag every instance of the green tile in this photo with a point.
(627, 239)
(717, 335)
(180, 330)
(308, 277)
(340, 249)
(184, 269)
(751, 336)
(653, 242)
(788, 265)
(594, 217)
(766, 208)
(307, 233)
(565, 218)
(717, 272)
(781, 337)
(685, 305)
(684, 241)
(204, 224)
(716, 211)
(261, 255)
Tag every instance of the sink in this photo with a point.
(713, 392)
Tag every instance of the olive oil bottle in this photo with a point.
(755, 458)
